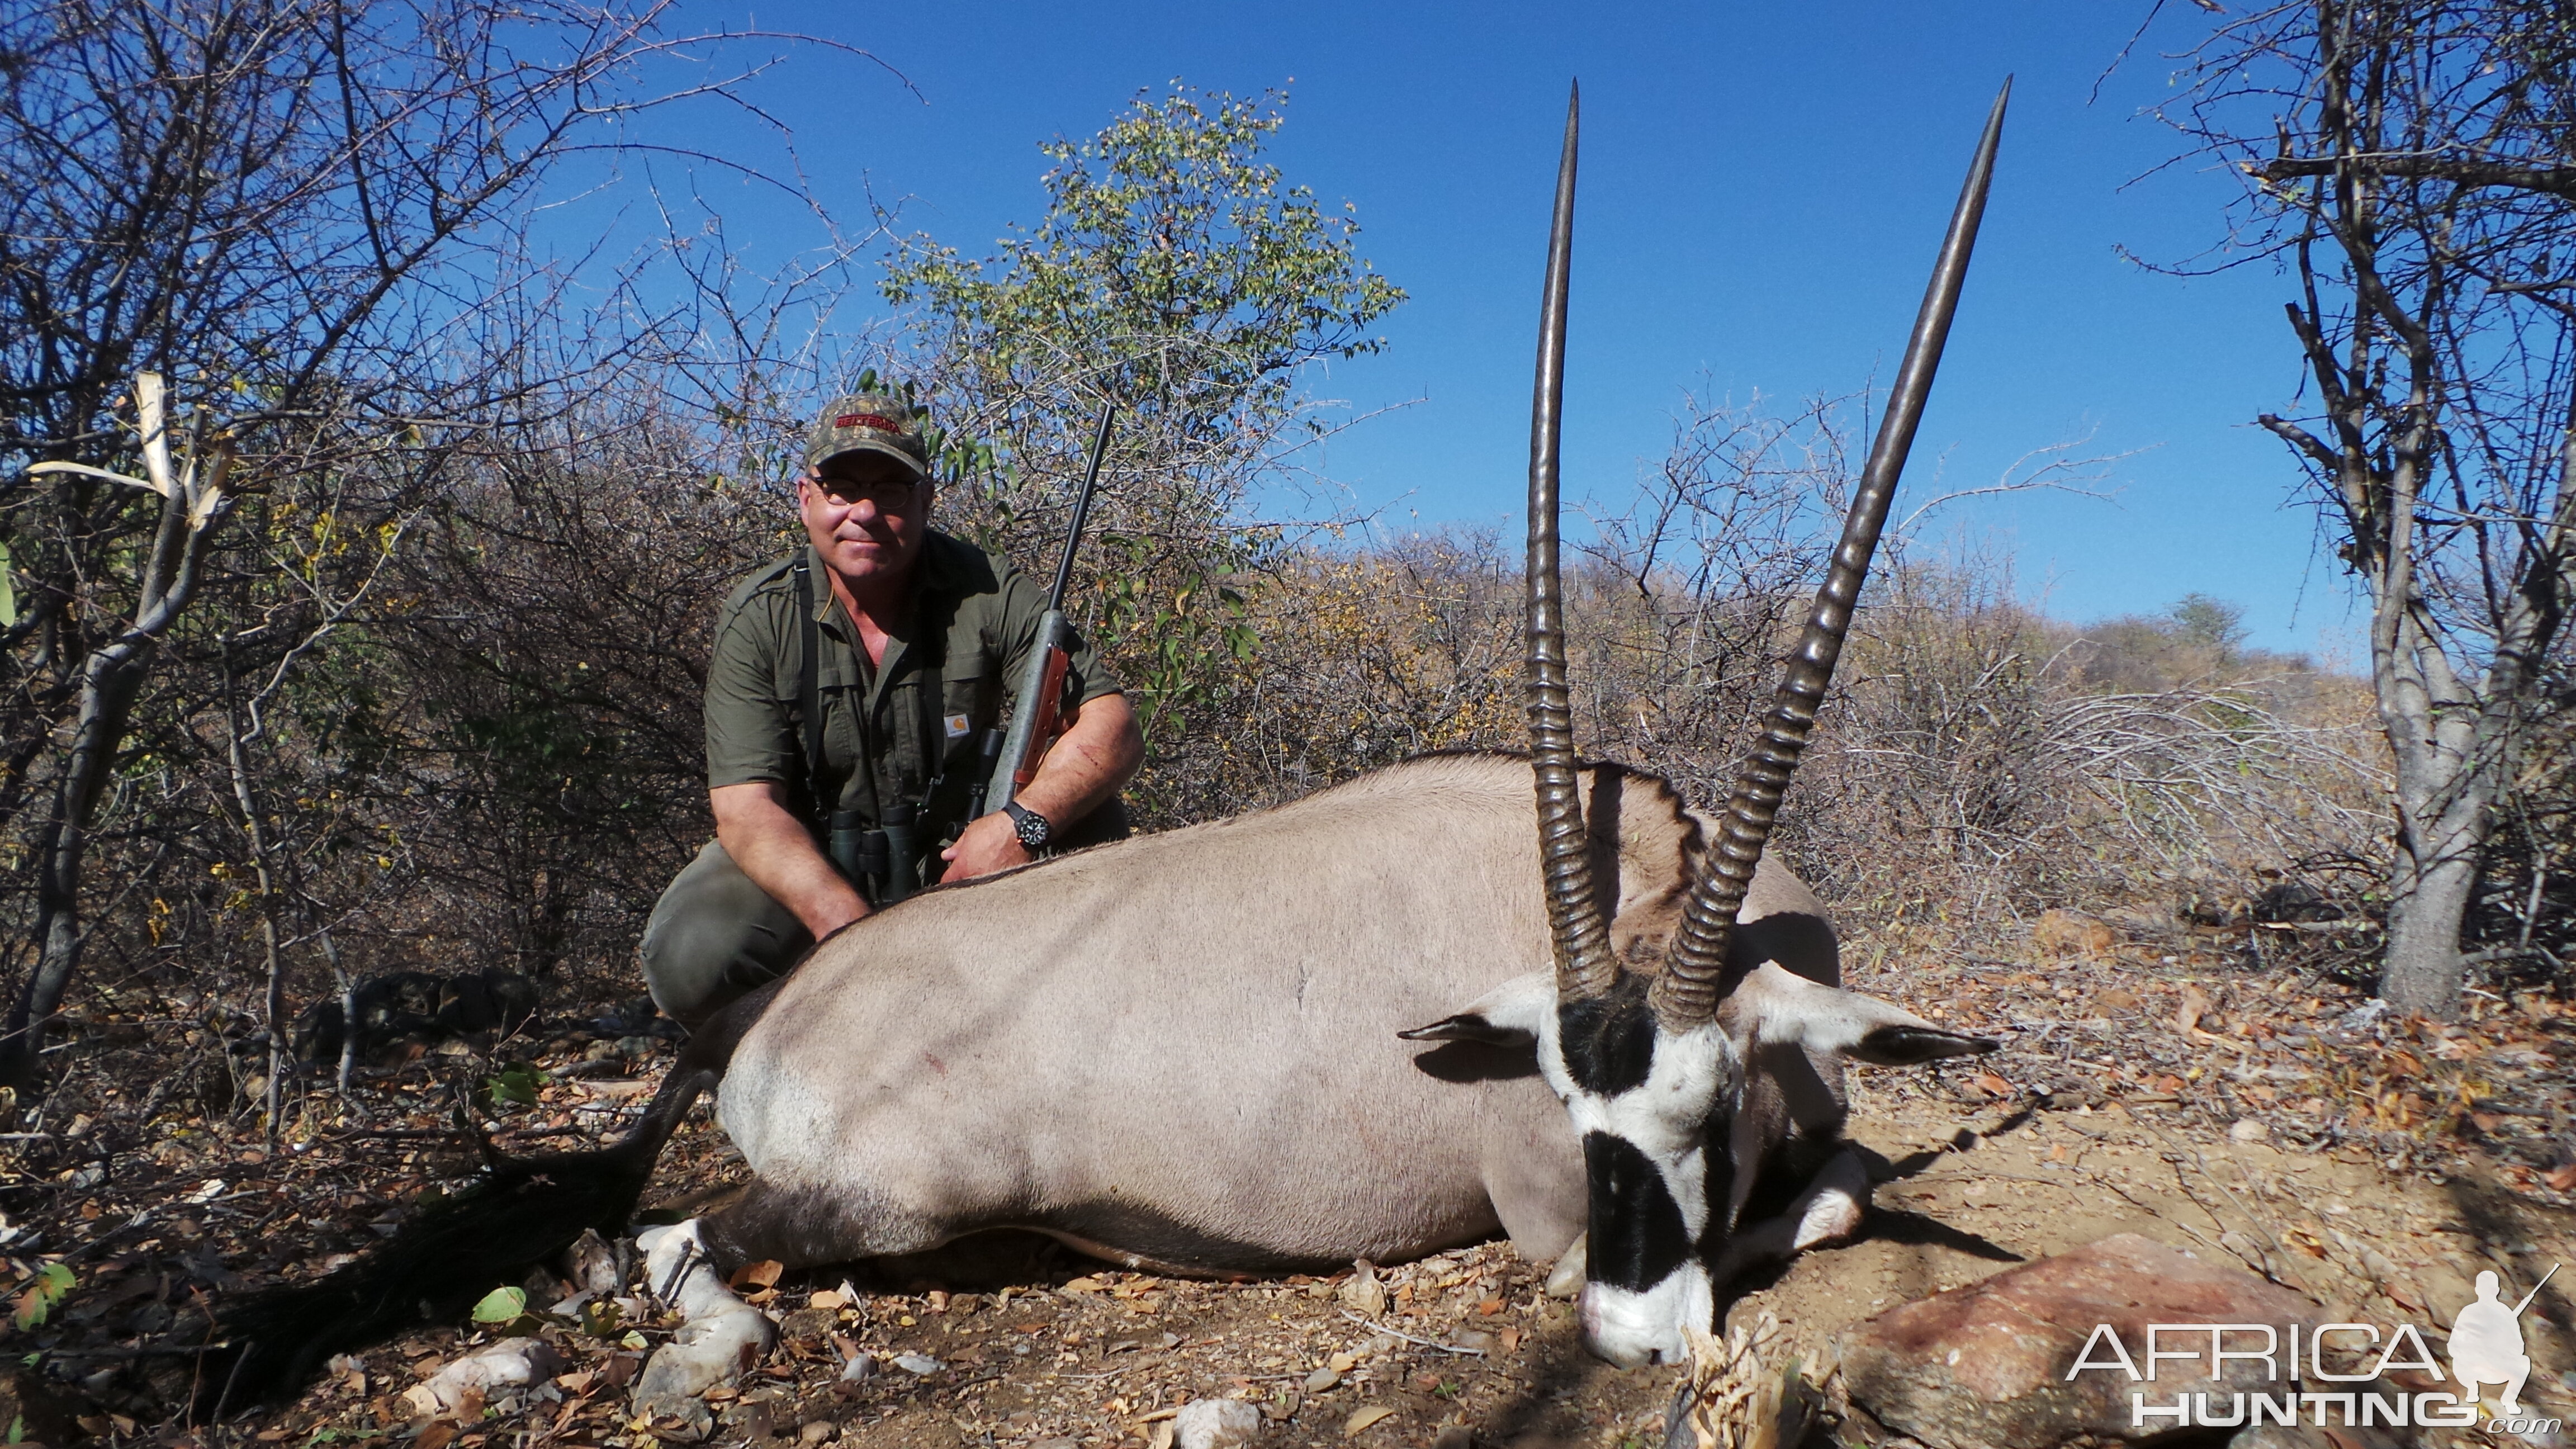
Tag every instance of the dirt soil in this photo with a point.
(2151, 1082)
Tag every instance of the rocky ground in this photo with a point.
(2210, 1089)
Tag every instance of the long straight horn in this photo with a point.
(1695, 976)
(1584, 966)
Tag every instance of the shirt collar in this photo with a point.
(935, 570)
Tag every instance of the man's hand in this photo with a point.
(987, 844)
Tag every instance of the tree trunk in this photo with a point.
(114, 677)
(110, 679)
(2436, 871)
(274, 1003)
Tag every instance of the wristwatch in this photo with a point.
(1033, 828)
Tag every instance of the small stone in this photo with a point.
(859, 1369)
(1057, 1444)
(676, 1416)
(756, 1418)
(817, 1431)
(1475, 1339)
(705, 1352)
(1215, 1424)
(2248, 1129)
(918, 1364)
(807, 1323)
(591, 1263)
(1321, 1379)
(1363, 1294)
(511, 1363)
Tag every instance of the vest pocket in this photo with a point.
(964, 712)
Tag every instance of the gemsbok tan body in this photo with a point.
(994, 1055)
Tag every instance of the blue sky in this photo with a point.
(1763, 188)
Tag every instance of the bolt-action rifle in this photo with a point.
(1041, 684)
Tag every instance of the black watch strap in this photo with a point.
(1034, 829)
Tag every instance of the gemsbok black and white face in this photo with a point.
(1674, 1078)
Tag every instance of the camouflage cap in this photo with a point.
(869, 423)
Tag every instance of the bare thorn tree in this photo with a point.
(302, 220)
(2409, 160)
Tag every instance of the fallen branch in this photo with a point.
(1409, 1338)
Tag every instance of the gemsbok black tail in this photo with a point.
(523, 1212)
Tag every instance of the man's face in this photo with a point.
(867, 516)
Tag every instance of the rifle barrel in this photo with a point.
(1082, 508)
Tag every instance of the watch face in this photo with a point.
(1031, 825)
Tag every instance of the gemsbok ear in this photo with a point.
(1911, 1046)
(1780, 1006)
(1507, 1016)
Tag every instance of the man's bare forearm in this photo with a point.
(770, 845)
(1090, 762)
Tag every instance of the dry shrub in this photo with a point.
(1969, 767)
(1976, 758)
(1373, 657)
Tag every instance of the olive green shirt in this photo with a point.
(974, 622)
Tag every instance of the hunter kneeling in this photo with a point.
(899, 640)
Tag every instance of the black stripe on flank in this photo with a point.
(1637, 1235)
(1608, 1041)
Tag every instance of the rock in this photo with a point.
(1215, 1424)
(755, 1418)
(807, 1324)
(591, 1264)
(2072, 933)
(918, 1364)
(723, 1335)
(1057, 1444)
(1364, 1294)
(817, 1431)
(706, 1352)
(1988, 1363)
(859, 1369)
(676, 1417)
(1321, 1380)
(512, 1363)
(2248, 1129)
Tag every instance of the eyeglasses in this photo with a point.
(887, 494)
